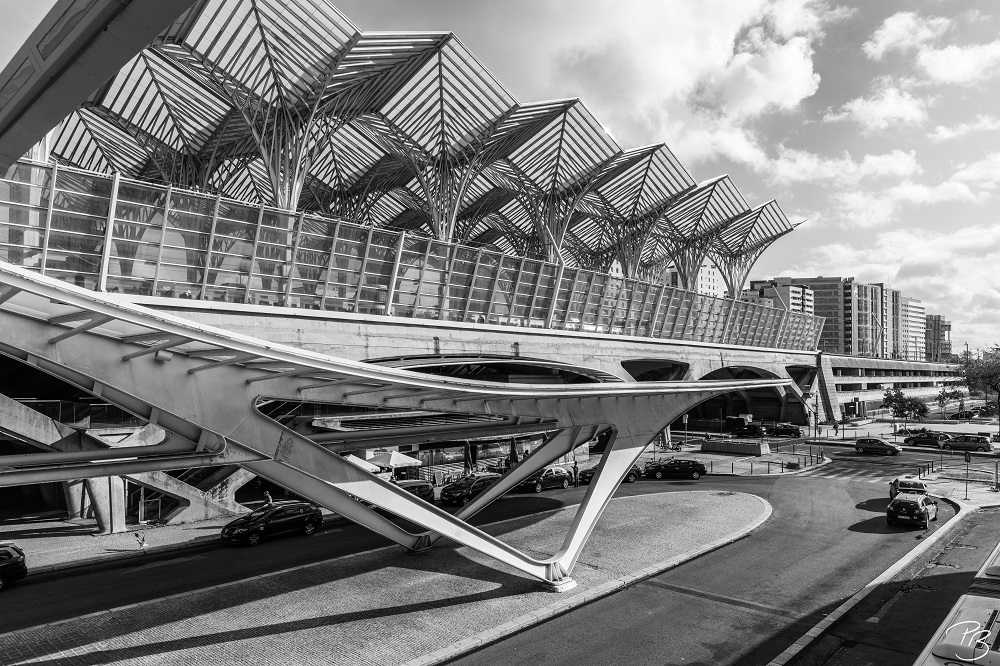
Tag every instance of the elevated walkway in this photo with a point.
(203, 386)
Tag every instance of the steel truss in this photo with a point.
(202, 386)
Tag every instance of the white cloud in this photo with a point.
(878, 208)
(961, 64)
(983, 123)
(804, 17)
(889, 106)
(951, 272)
(983, 175)
(903, 32)
(774, 76)
(793, 166)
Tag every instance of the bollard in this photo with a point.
(732, 468)
(751, 467)
(768, 466)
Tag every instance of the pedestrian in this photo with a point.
(141, 540)
(267, 498)
(836, 429)
(576, 474)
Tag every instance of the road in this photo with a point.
(745, 603)
(741, 604)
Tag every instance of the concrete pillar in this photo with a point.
(77, 500)
(107, 494)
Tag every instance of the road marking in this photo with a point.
(783, 612)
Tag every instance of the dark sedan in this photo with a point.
(911, 508)
(550, 477)
(633, 474)
(422, 489)
(12, 566)
(272, 519)
(466, 488)
(935, 439)
(683, 469)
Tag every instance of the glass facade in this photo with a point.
(119, 235)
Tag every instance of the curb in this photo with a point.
(806, 639)
(528, 620)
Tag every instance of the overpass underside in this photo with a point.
(203, 387)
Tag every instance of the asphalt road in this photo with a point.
(745, 603)
(741, 604)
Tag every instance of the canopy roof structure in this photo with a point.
(288, 103)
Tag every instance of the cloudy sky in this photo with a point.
(877, 123)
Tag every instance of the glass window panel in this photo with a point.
(71, 181)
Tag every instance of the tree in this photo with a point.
(904, 407)
(946, 395)
(983, 372)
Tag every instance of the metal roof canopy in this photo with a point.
(288, 103)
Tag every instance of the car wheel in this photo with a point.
(657, 474)
(908, 442)
(888, 521)
(309, 528)
(695, 475)
(253, 539)
(630, 478)
(465, 500)
(981, 449)
(935, 516)
(3, 583)
(538, 487)
(565, 484)
(860, 450)
(946, 447)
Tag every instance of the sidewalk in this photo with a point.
(428, 609)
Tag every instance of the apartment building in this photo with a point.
(780, 292)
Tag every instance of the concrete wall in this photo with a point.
(366, 337)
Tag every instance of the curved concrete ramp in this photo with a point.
(202, 385)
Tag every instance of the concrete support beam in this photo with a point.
(107, 495)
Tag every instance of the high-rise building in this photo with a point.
(854, 311)
(937, 339)
(710, 280)
(904, 326)
(781, 293)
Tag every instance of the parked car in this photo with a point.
(465, 489)
(784, 430)
(936, 439)
(907, 484)
(911, 508)
(422, 489)
(685, 469)
(12, 564)
(549, 477)
(633, 474)
(965, 414)
(969, 443)
(282, 517)
(876, 445)
(752, 430)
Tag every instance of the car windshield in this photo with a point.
(910, 485)
(465, 482)
(907, 504)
